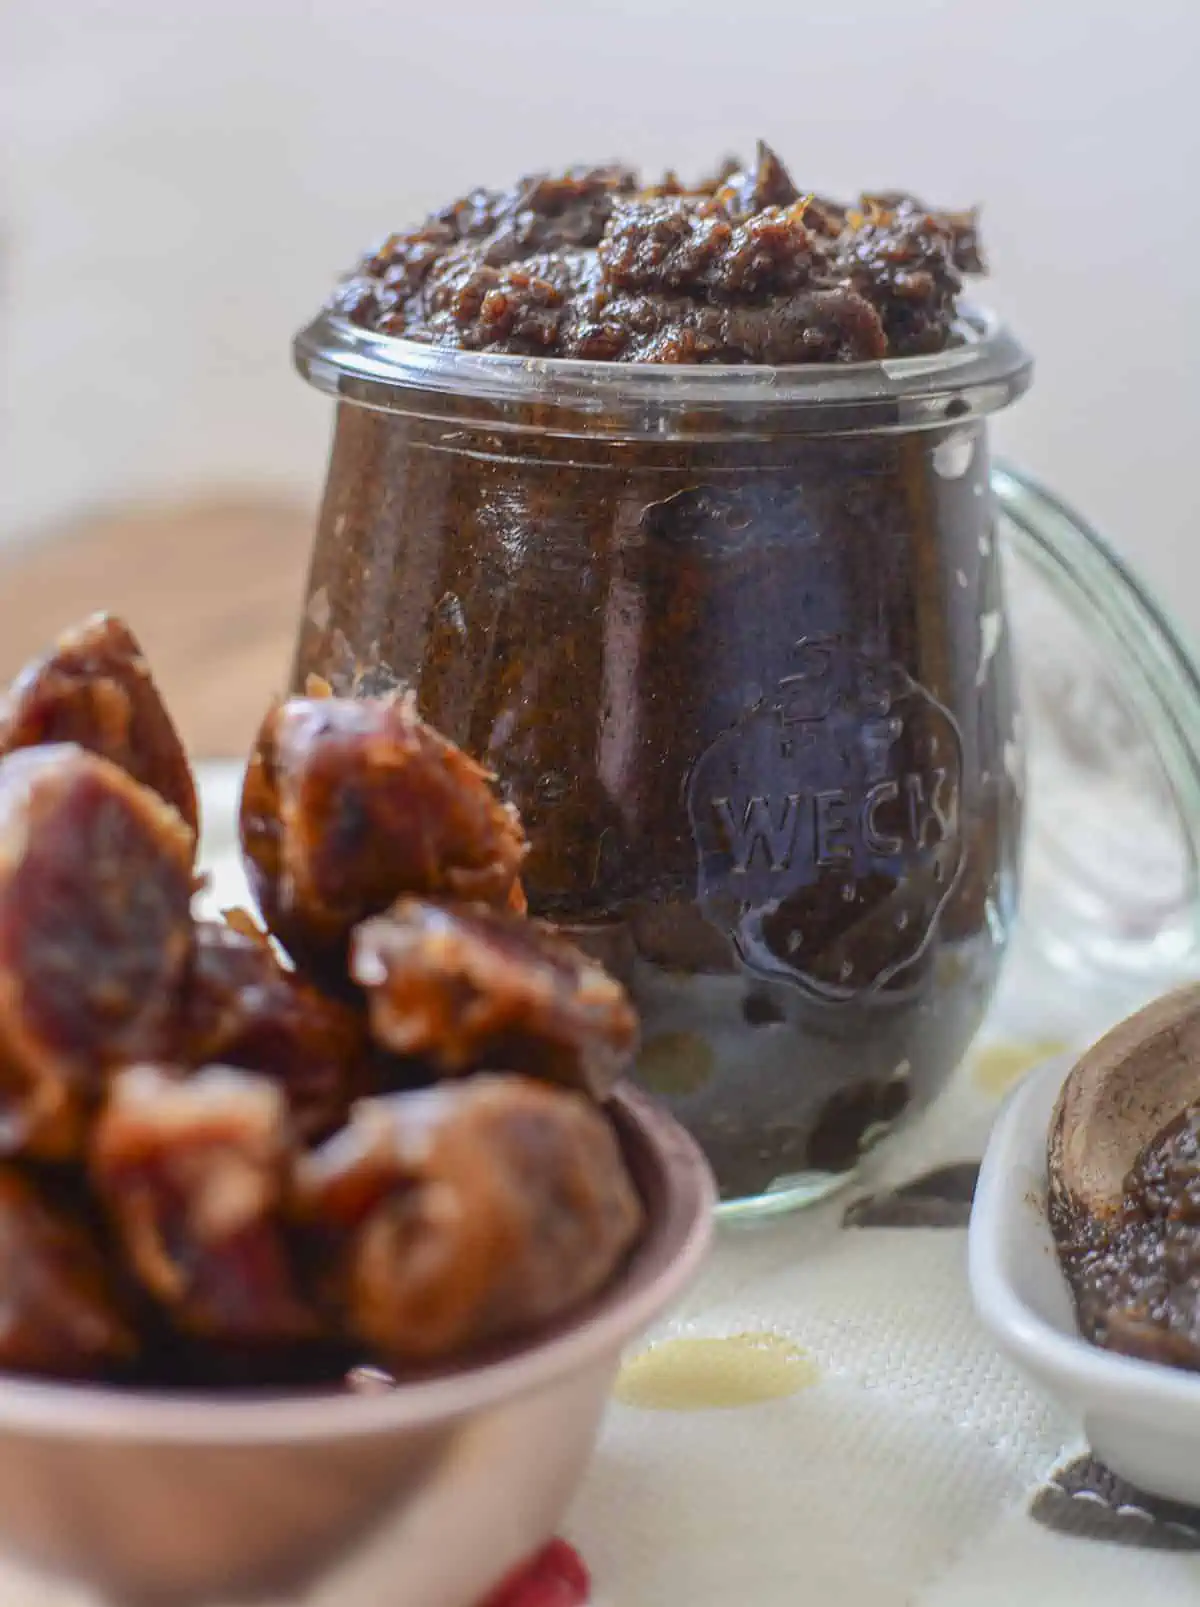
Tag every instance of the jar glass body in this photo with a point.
(749, 685)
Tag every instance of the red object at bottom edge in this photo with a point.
(556, 1577)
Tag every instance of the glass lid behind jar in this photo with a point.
(1110, 694)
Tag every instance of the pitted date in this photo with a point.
(62, 1311)
(195, 1175)
(95, 938)
(222, 1162)
(94, 688)
(472, 1212)
(349, 803)
(243, 1009)
(466, 987)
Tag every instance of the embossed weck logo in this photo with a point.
(826, 822)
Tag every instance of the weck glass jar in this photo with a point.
(733, 640)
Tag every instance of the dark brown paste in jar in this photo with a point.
(741, 268)
(746, 681)
(1135, 1275)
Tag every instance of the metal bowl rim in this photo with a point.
(679, 1194)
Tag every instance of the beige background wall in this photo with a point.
(178, 184)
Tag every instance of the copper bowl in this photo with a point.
(423, 1495)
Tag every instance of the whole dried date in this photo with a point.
(243, 1009)
(195, 1176)
(349, 803)
(466, 987)
(95, 937)
(61, 1311)
(472, 1211)
(186, 1065)
(95, 688)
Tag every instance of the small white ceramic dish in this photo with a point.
(1141, 1419)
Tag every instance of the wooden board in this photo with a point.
(212, 589)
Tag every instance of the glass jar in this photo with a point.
(734, 642)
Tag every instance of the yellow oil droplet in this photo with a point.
(675, 1063)
(696, 1375)
(996, 1068)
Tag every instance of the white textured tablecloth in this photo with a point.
(918, 1469)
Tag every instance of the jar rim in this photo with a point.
(984, 371)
